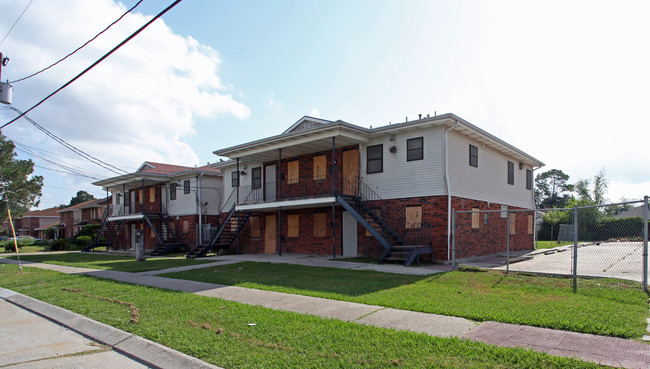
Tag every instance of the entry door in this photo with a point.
(269, 183)
(270, 231)
(350, 169)
(132, 209)
(349, 235)
(133, 231)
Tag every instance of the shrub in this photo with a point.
(84, 240)
(89, 230)
(9, 246)
(59, 245)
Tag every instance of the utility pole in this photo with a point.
(5, 88)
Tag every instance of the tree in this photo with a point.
(20, 189)
(82, 196)
(552, 188)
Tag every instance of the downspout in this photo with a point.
(448, 187)
(198, 195)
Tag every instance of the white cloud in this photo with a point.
(314, 113)
(136, 105)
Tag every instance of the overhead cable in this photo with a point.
(95, 63)
(80, 47)
(16, 22)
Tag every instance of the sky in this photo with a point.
(564, 81)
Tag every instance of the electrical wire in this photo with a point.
(95, 63)
(72, 148)
(16, 22)
(80, 47)
(70, 169)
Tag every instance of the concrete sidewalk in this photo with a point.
(39, 335)
(627, 353)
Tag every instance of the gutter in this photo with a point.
(448, 187)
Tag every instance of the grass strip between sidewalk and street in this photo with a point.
(605, 307)
(120, 263)
(234, 335)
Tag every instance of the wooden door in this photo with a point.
(270, 231)
(350, 170)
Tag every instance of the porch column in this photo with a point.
(123, 199)
(333, 193)
(237, 181)
(279, 174)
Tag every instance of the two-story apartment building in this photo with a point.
(30, 222)
(166, 206)
(75, 217)
(331, 187)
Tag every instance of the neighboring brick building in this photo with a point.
(75, 217)
(335, 188)
(28, 224)
(165, 204)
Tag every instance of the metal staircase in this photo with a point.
(225, 236)
(106, 236)
(169, 242)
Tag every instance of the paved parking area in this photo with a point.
(622, 260)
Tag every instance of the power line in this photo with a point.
(16, 22)
(71, 147)
(95, 63)
(80, 47)
(71, 170)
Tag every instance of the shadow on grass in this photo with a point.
(295, 278)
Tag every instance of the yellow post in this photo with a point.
(13, 231)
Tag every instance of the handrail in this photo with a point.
(234, 190)
(365, 191)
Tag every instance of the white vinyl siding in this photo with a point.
(401, 178)
(488, 181)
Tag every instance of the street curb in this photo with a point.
(140, 349)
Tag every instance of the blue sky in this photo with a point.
(565, 82)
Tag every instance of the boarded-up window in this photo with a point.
(293, 171)
(513, 223)
(378, 213)
(255, 227)
(320, 225)
(476, 218)
(186, 226)
(320, 170)
(293, 221)
(531, 221)
(172, 226)
(413, 217)
(140, 197)
(152, 194)
(151, 234)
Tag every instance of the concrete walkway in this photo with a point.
(626, 353)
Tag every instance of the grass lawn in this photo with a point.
(605, 307)
(113, 262)
(222, 332)
(551, 244)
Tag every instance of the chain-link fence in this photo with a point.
(581, 242)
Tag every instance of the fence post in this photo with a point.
(453, 239)
(575, 248)
(645, 243)
(508, 241)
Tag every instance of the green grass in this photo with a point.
(551, 244)
(605, 307)
(219, 331)
(112, 262)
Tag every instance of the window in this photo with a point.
(293, 169)
(320, 225)
(320, 167)
(186, 186)
(152, 194)
(186, 226)
(255, 227)
(513, 223)
(140, 198)
(511, 173)
(172, 191)
(414, 149)
(256, 174)
(476, 218)
(531, 221)
(234, 179)
(118, 198)
(293, 222)
(375, 159)
(473, 156)
(529, 179)
(413, 217)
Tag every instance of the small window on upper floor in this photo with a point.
(172, 191)
(186, 186)
(511, 173)
(529, 179)
(375, 159)
(415, 149)
(118, 198)
(256, 178)
(473, 156)
(293, 171)
(234, 179)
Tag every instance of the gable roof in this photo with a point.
(50, 212)
(95, 203)
(154, 172)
